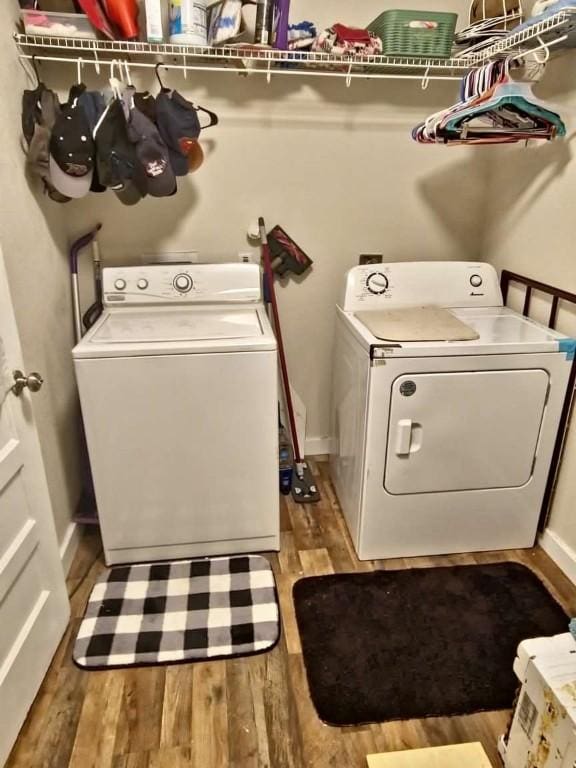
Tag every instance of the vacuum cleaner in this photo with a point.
(304, 488)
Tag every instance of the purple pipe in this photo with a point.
(79, 244)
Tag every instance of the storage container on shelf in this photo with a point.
(57, 24)
(415, 34)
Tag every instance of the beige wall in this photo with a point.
(530, 229)
(33, 237)
(336, 167)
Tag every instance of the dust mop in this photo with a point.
(304, 489)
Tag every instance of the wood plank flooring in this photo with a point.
(248, 713)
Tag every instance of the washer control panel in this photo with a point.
(421, 283)
(181, 284)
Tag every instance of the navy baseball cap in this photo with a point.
(179, 126)
(117, 162)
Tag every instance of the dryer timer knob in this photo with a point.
(475, 281)
(377, 283)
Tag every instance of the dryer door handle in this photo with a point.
(403, 437)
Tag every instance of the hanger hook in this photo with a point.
(127, 71)
(426, 79)
(546, 50)
(35, 68)
(157, 73)
(349, 76)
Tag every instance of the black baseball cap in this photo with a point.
(71, 151)
(152, 153)
(146, 103)
(117, 162)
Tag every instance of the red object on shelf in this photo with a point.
(93, 10)
(123, 13)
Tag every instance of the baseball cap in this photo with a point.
(146, 103)
(179, 126)
(152, 153)
(31, 110)
(71, 151)
(117, 162)
(93, 104)
(39, 110)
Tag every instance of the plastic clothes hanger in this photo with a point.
(163, 88)
(514, 101)
(503, 111)
(115, 85)
(213, 117)
(515, 98)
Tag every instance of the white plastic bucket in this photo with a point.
(188, 22)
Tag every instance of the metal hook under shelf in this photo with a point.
(426, 79)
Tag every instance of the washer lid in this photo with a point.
(156, 331)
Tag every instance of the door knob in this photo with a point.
(34, 382)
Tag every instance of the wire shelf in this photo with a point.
(548, 30)
(248, 58)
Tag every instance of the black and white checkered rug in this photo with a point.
(189, 610)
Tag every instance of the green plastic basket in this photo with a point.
(403, 33)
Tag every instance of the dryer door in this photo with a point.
(464, 431)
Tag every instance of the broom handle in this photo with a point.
(283, 367)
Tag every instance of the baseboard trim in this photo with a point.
(69, 546)
(317, 446)
(563, 555)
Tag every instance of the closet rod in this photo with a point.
(239, 70)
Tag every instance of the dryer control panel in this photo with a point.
(421, 283)
(181, 284)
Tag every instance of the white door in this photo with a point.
(34, 606)
(464, 431)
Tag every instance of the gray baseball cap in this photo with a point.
(40, 111)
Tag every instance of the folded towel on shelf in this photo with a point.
(301, 35)
(347, 41)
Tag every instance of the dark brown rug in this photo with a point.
(394, 645)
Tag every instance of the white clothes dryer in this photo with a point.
(178, 387)
(442, 446)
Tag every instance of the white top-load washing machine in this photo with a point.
(442, 446)
(178, 387)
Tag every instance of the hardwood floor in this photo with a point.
(252, 712)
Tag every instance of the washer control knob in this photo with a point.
(120, 284)
(475, 281)
(377, 283)
(142, 283)
(183, 283)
